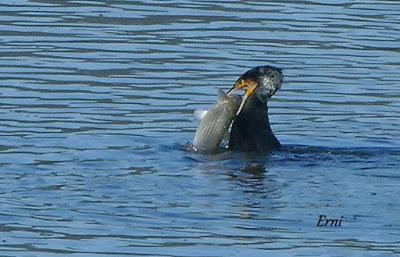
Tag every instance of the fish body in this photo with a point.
(215, 122)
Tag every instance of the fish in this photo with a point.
(215, 123)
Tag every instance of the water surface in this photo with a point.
(96, 105)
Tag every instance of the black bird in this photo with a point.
(251, 131)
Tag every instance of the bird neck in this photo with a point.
(255, 113)
(251, 131)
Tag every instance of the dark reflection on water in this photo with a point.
(97, 101)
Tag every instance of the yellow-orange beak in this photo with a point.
(248, 85)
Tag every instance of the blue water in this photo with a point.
(97, 102)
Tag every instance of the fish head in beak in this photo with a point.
(249, 85)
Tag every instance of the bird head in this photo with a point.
(263, 81)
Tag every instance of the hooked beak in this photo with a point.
(248, 85)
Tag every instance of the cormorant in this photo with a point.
(251, 131)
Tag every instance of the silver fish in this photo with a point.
(215, 122)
